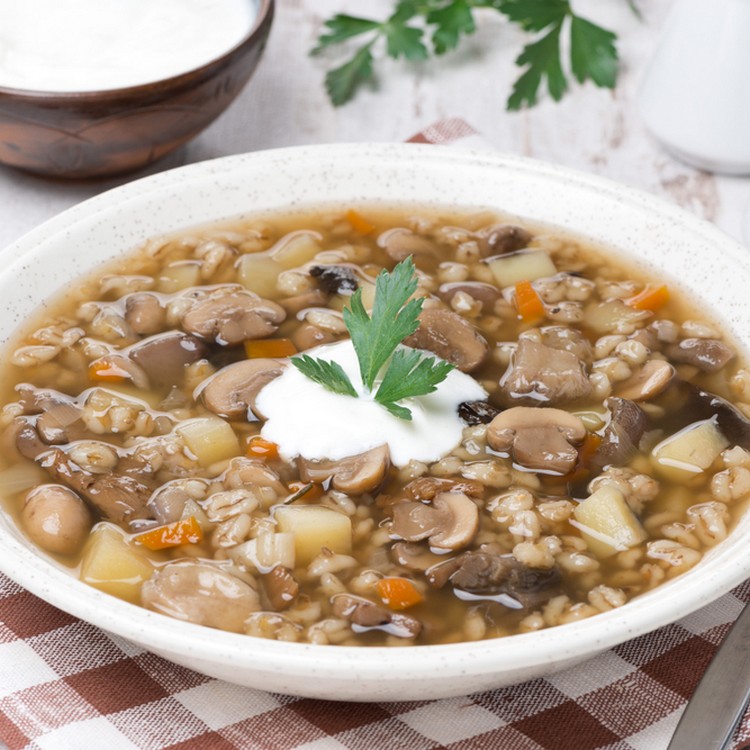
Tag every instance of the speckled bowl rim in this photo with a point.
(307, 668)
(262, 18)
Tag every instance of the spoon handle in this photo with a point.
(719, 701)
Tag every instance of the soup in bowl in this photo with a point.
(309, 409)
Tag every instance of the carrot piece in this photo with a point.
(528, 302)
(186, 531)
(358, 222)
(104, 371)
(398, 593)
(269, 348)
(650, 298)
(259, 447)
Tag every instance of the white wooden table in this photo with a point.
(285, 104)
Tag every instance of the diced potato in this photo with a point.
(613, 316)
(110, 564)
(210, 439)
(296, 249)
(607, 523)
(689, 452)
(266, 551)
(314, 527)
(368, 295)
(192, 508)
(178, 276)
(524, 265)
(258, 272)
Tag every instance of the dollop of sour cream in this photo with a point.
(90, 45)
(305, 419)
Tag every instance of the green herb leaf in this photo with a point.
(343, 82)
(410, 373)
(454, 19)
(535, 15)
(543, 59)
(592, 53)
(342, 27)
(329, 374)
(404, 41)
(394, 317)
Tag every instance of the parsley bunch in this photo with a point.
(418, 27)
(408, 372)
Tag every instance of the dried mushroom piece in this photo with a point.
(542, 440)
(540, 374)
(366, 615)
(708, 355)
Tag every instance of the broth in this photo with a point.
(608, 455)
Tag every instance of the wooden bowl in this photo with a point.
(102, 133)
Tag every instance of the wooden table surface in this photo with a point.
(591, 129)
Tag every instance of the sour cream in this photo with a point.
(305, 419)
(89, 45)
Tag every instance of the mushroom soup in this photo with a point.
(163, 440)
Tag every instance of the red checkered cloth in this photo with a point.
(66, 685)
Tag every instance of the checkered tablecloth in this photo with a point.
(66, 685)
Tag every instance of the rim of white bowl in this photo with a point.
(720, 570)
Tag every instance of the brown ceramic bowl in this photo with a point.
(98, 133)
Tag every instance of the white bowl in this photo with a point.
(654, 234)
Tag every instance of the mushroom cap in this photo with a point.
(463, 523)
(231, 317)
(400, 243)
(499, 239)
(482, 292)
(56, 519)
(144, 313)
(354, 475)
(451, 337)
(232, 390)
(541, 439)
(708, 355)
(164, 356)
(647, 382)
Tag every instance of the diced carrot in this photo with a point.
(651, 298)
(186, 531)
(358, 222)
(398, 593)
(270, 348)
(259, 447)
(307, 490)
(528, 302)
(104, 371)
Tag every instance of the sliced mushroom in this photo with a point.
(708, 355)
(200, 593)
(451, 337)
(308, 336)
(145, 314)
(165, 356)
(621, 437)
(60, 422)
(450, 522)
(232, 390)
(233, 317)
(647, 382)
(281, 588)
(489, 575)
(543, 375)
(487, 294)
(56, 519)
(502, 238)
(27, 441)
(542, 440)
(246, 472)
(295, 305)
(424, 489)
(366, 615)
(120, 496)
(354, 475)
(400, 243)
(477, 412)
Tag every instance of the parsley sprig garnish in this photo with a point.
(376, 340)
(416, 28)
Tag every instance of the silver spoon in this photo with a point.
(719, 701)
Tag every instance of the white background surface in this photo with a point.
(594, 130)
